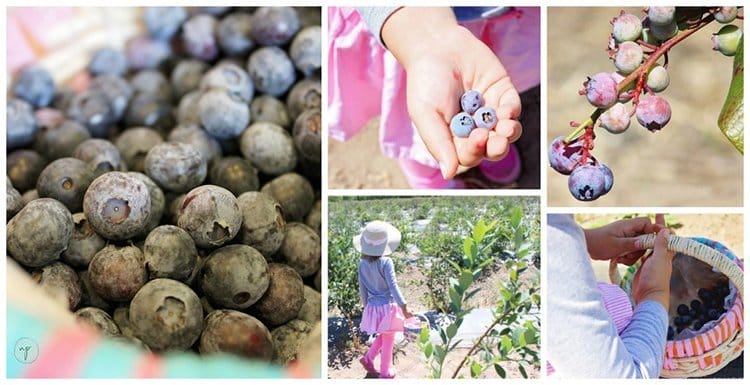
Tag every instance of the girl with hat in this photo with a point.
(385, 307)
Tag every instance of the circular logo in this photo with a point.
(26, 350)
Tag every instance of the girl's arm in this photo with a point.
(362, 289)
(584, 342)
(390, 277)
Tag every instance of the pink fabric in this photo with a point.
(618, 305)
(386, 355)
(29, 32)
(383, 318)
(365, 81)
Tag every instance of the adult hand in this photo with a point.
(618, 240)
(443, 60)
(651, 282)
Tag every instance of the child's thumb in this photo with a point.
(438, 140)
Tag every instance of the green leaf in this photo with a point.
(451, 330)
(500, 371)
(476, 369)
(515, 217)
(466, 279)
(513, 275)
(424, 335)
(479, 231)
(523, 371)
(470, 249)
(732, 115)
(455, 298)
(428, 349)
(506, 344)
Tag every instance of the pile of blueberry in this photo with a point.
(175, 202)
(634, 47)
(473, 115)
(709, 307)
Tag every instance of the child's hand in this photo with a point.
(407, 313)
(618, 239)
(651, 282)
(442, 61)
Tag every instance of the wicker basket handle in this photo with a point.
(696, 250)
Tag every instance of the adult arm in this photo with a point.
(583, 340)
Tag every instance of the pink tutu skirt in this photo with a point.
(382, 318)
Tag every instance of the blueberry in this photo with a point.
(211, 215)
(269, 148)
(235, 277)
(98, 319)
(186, 76)
(305, 50)
(697, 325)
(670, 333)
(601, 90)
(27, 197)
(313, 217)
(61, 282)
(696, 305)
(92, 109)
(304, 95)
(101, 156)
(289, 340)
(117, 273)
(266, 108)
(661, 15)
(158, 202)
(293, 192)
(108, 61)
(234, 174)
(658, 79)
(274, 25)
(235, 34)
(626, 27)
(134, 143)
(284, 298)
(48, 118)
(629, 57)
(471, 101)
(609, 178)
(34, 85)
(693, 314)
(683, 309)
(587, 182)
(485, 117)
(223, 114)
(169, 252)
(187, 110)
(214, 11)
(13, 201)
(121, 316)
(271, 70)
(461, 124)
(615, 119)
(207, 146)
(143, 52)
(166, 315)
(39, 233)
(66, 180)
(176, 166)
(713, 314)
(704, 294)
(310, 310)
(263, 222)
(117, 205)
(20, 123)
(164, 22)
(229, 331)
(116, 91)
(62, 99)
(301, 249)
(231, 78)
(653, 112)
(663, 32)
(23, 168)
(725, 14)
(152, 82)
(306, 135)
(84, 243)
(88, 295)
(61, 141)
(199, 37)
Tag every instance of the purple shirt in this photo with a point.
(377, 282)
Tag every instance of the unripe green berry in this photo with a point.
(727, 40)
(629, 57)
(661, 15)
(616, 119)
(626, 27)
(658, 79)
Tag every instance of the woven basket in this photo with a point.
(712, 350)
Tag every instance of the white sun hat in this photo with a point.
(378, 238)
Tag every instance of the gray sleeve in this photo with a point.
(362, 288)
(375, 17)
(582, 339)
(390, 277)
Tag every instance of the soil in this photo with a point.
(359, 163)
(689, 162)
(343, 361)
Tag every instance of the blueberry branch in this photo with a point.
(640, 73)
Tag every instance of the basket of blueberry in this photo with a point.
(180, 174)
(706, 309)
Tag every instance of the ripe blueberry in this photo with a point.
(587, 182)
(471, 101)
(485, 117)
(653, 112)
(601, 90)
(461, 124)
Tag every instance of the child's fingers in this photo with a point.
(509, 128)
(471, 150)
(438, 139)
(497, 147)
(504, 97)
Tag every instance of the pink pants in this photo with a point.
(383, 344)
